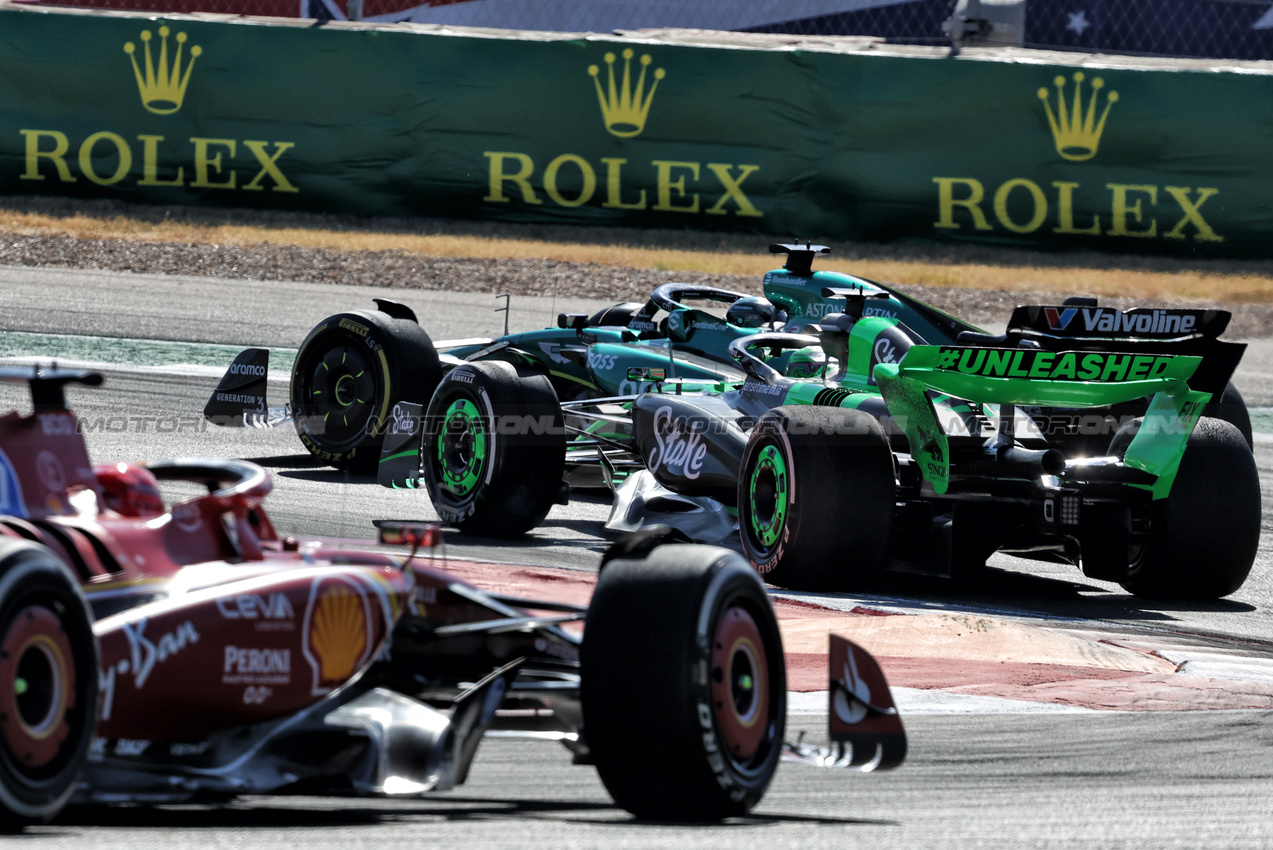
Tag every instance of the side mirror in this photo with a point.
(415, 534)
(644, 373)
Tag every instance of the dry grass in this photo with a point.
(920, 264)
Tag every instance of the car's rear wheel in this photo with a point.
(1203, 537)
(48, 684)
(816, 497)
(494, 448)
(684, 684)
(1231, 407)
(349, 372)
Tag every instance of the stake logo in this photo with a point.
(680, 448)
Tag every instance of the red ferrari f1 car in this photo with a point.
(154, 652)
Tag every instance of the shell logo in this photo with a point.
(337, 631)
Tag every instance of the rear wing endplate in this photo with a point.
(863, 722)
(240, 399)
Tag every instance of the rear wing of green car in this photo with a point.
(1036, 377)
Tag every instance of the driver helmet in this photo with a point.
(805, 362)
(129, 489)
(752, 311)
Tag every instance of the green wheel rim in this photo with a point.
(463, 448)
(767, 496)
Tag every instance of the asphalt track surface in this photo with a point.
(1009, 778)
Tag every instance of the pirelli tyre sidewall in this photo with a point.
(1204, 537)
(816, 496)
(349, 372)
(48, 684)
(683, 684)
(494, 448)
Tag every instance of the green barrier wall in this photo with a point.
(777, 141)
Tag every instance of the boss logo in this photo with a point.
(601, 362)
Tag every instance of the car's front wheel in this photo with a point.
(349, 372)
(816, 497)
(48, 684)
(683, 684)
(494, 449)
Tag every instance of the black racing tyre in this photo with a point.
(1231, 407)
(349, 372)
(670, 743)
(1203, 537)
(494, 451)
(816, 497)
(48, 684)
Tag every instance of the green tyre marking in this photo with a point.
(768, 520)
(462, 449)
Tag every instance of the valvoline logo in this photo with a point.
(1059, 320)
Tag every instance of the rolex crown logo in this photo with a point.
(1077, 136)
(624, 109)
(163, 85)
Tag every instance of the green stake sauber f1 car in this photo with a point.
(899, 455)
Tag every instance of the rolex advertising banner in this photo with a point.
(399, 120)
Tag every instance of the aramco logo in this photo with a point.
(162, 84)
